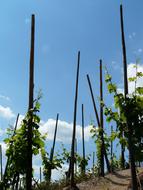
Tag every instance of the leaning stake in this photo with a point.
(73, 184)
(31, 98)
(53, 147)
(98, 122)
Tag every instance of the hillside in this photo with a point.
(117, 181)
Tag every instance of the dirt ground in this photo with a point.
(117, 181)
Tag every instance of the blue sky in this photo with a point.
(62, 28)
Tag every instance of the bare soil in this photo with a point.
(116, 181)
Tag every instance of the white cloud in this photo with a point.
(37, 171)
(60, 173)
(4, 148)
(120, 90)
(132, 73)
(65, 129)
(2, 132)
(6, 112)
(21, 117)
(87, 133)
(4, 97)
(57, 174)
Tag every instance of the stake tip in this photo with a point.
(121, 6)
(33, 16)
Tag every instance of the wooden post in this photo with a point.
(125, 75)
(131, 152)
(93, 161)
(111, 150)
(98, 122)
(31, 98)
(54, 141)
(73, 184)
(83, 145)
(124, 52)
(40, 175)
(53, 147)
(76, 166)
(101, 121)
(1, 162)
(16, 123)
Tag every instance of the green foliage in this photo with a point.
(49, 165)
(17, 144)
(81, 162)
(129, 111)
(96, 135)
(115, 163)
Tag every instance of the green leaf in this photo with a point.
(112, 88)
(108, 78)
(139, 90)
(139, 74)
(132, 79)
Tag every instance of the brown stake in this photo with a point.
(73, 184)
(101, 120)
(98, 122)
(75, 155)
(131, 152)
(53, 147)
(83, 145)
(31, 98)
(125, 74)
(40, 174)
(124, 52)
(54, 141)
(93, 161)
(111, 150)
(1, 162)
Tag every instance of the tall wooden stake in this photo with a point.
(111, 149)
(83, 145)
(76, 166)
(53, 147)
(98, 122)
(1, 162)
(40, 174)
(125, 74)
(101, 120)
(124, 52)
(131, 152)
(54, 141)
(73, 184)
(31, 98)
(93, 161)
